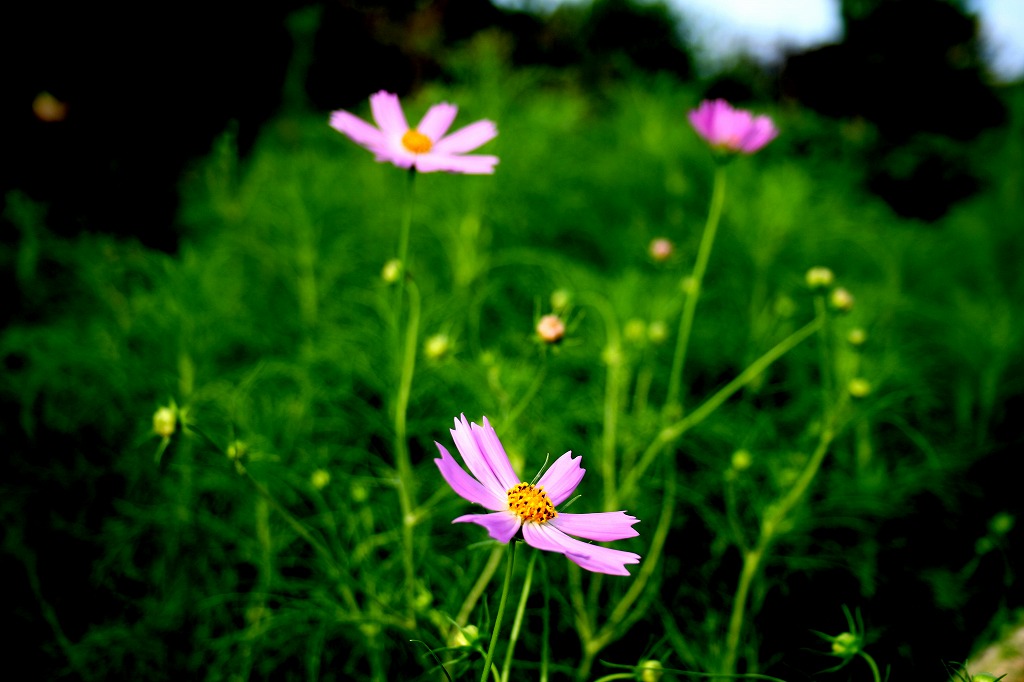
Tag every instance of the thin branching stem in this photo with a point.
(674, 403)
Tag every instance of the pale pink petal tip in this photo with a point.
(731, 130)
(562, 477)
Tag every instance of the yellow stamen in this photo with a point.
(531, 504)
(416, 142)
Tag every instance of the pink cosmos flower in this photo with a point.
(521, 508)
(425, 147)
(732, 130)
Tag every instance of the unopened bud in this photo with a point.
(391, 271)
(857, 336)
(237, 450)
(820, 278)
(551, 329)
(661, 249)
(741, 460)
(651, 670)
(1001, 523)
(165, 420)
(657, 332)
(841, 300)
(785, 306)
(689, 285)
(560, 300)
(612, 356)
(846, 644)
(635, 330)
(320, 478)
(859, 388)
(437, 346)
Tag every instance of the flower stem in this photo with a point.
(501, 610)
(518, 621)
(670, 433)
(769, 527)
(673, 403)
(874, 666)
(406, 490)
(407, 352)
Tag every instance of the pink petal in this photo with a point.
(398, 158)
(761, 132)
(469, 165)
(475, 458)
(603, 526)
(356, 129)
(467, 139)
(700, 119)
(591, 557)
(502, 526)
(465, 485)
(387, 112)
(437, 120)
(561, 478)
(489, 444)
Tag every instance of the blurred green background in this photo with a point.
(189, 231)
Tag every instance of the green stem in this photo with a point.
(406, 482)
(669, 434)
(501, 611)
(769, 527)
(751, 564)
(673, 403)
(518, 621)
(874, 666)
(821, 310)
(403, 242)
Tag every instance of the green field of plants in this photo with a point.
(810, 404)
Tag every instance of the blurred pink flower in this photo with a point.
(425, 147)
(732, 130)
(519, 508)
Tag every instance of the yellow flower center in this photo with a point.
(531, 504)
(416, 142)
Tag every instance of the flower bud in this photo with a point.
(784, 306)
(391, 271)
(560, 300)
(1001, 523)
(635, 330)
(859, 388)
(165, 420)
(846, 644)
(741, 460)
(657, 332)
(466, 636)
(320, 478)
(820, 278)
(857, 337)
(611, 356)
(237, 450)
(986, 677)
(551, 329)
(841, 300)
(437, 346)
(661, 249)
(689, 285)
(650, 670)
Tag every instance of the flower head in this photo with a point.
(425, 147)
(732, 130)
(529, 510)
(551, 329)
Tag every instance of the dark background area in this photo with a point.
(148, 87)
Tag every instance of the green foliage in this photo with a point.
(272, 333)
